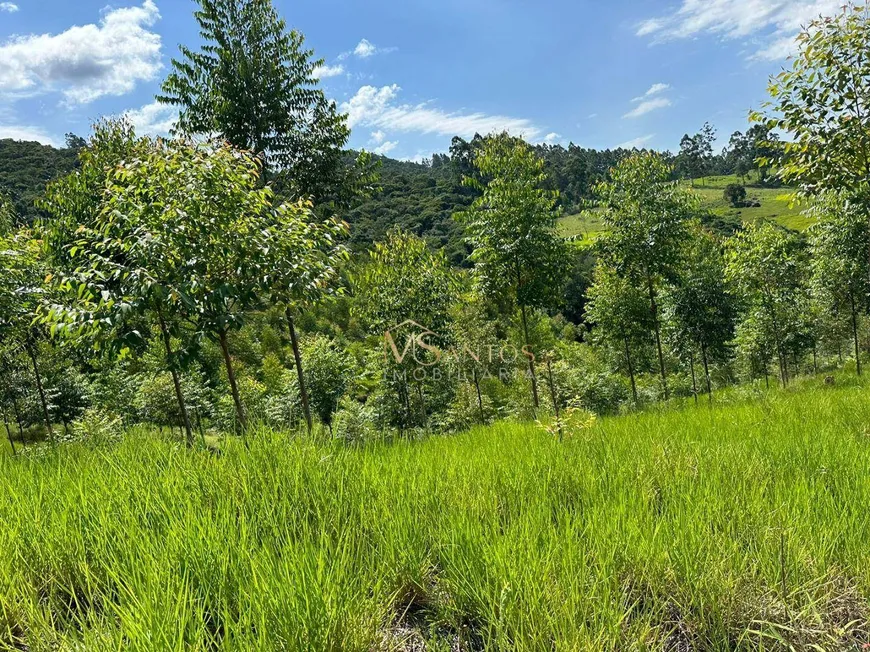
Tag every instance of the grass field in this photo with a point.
(741, 526)
(776, 206)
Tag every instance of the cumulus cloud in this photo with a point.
(552, 138)
(778, 21)
(10, 7)
(30, 134)
(323, 72)
(648, 106)
(636, 143)
(153, 119)
(365, 49)
(378, 108)
(85, 62)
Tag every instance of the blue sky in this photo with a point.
(411, 74)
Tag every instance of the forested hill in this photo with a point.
(419, 197)
(26, 168)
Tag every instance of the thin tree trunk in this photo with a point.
(694, 381)
(9, 433)
(479, 397)
(41, 389)
(199, 426)
(655, 315)
(553, 397)
(176, 381)
(815, 359)
(241, 421)
(297, 356)
(707, 373)
(630, 370)
(855, 335)
(531, 361)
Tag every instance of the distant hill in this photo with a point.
(25, 170)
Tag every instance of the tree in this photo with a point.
(519, 257)
(822, 103)
(647, 215)
(305, 253)
(696, 153)
(702, 310)
(404, 281)
(735, 194)
(328, 376)
(21, 298)
(620, 312)
(839, 245)
(766, 265)
(254, 84)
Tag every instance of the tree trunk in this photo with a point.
(479, 397)
(707, 373)
(553, 397)
(9, 433)
(694, 381)
(815, 359)
(855, 336)
(531, 361)
(176, 381)
(630, 370)
(41, 389)
(654, 309)
(297, 356)
(241, 421)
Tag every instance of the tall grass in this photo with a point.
(741, 526)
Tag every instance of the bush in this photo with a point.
(97, 428)
(735, 194)
(354, 422)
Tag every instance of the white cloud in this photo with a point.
(365, 49)
(552, 138)
(377, 108)
(323, 72)
(11, 7)
(778, 21)
(378, 137)
(386, 147)
(85, 62)
(647, 106)
(636, 143)
(153, 119)
(655, 89)
(19, 132)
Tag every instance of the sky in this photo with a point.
(411, 74)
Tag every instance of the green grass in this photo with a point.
(741, 526)
(776, 206)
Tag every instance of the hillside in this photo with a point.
(26, 168)
(585, 227)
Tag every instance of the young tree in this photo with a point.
(702, 310)
(518, 255)
(328, 376)
(403, 281)
(647, 216)
(620, 312)
(839, 246)
(21, 298)
(305, 254)
(766, 265)
(821, 102)
(254, 84)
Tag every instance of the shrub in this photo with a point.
(735, 194)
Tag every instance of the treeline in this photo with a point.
(173, 283)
